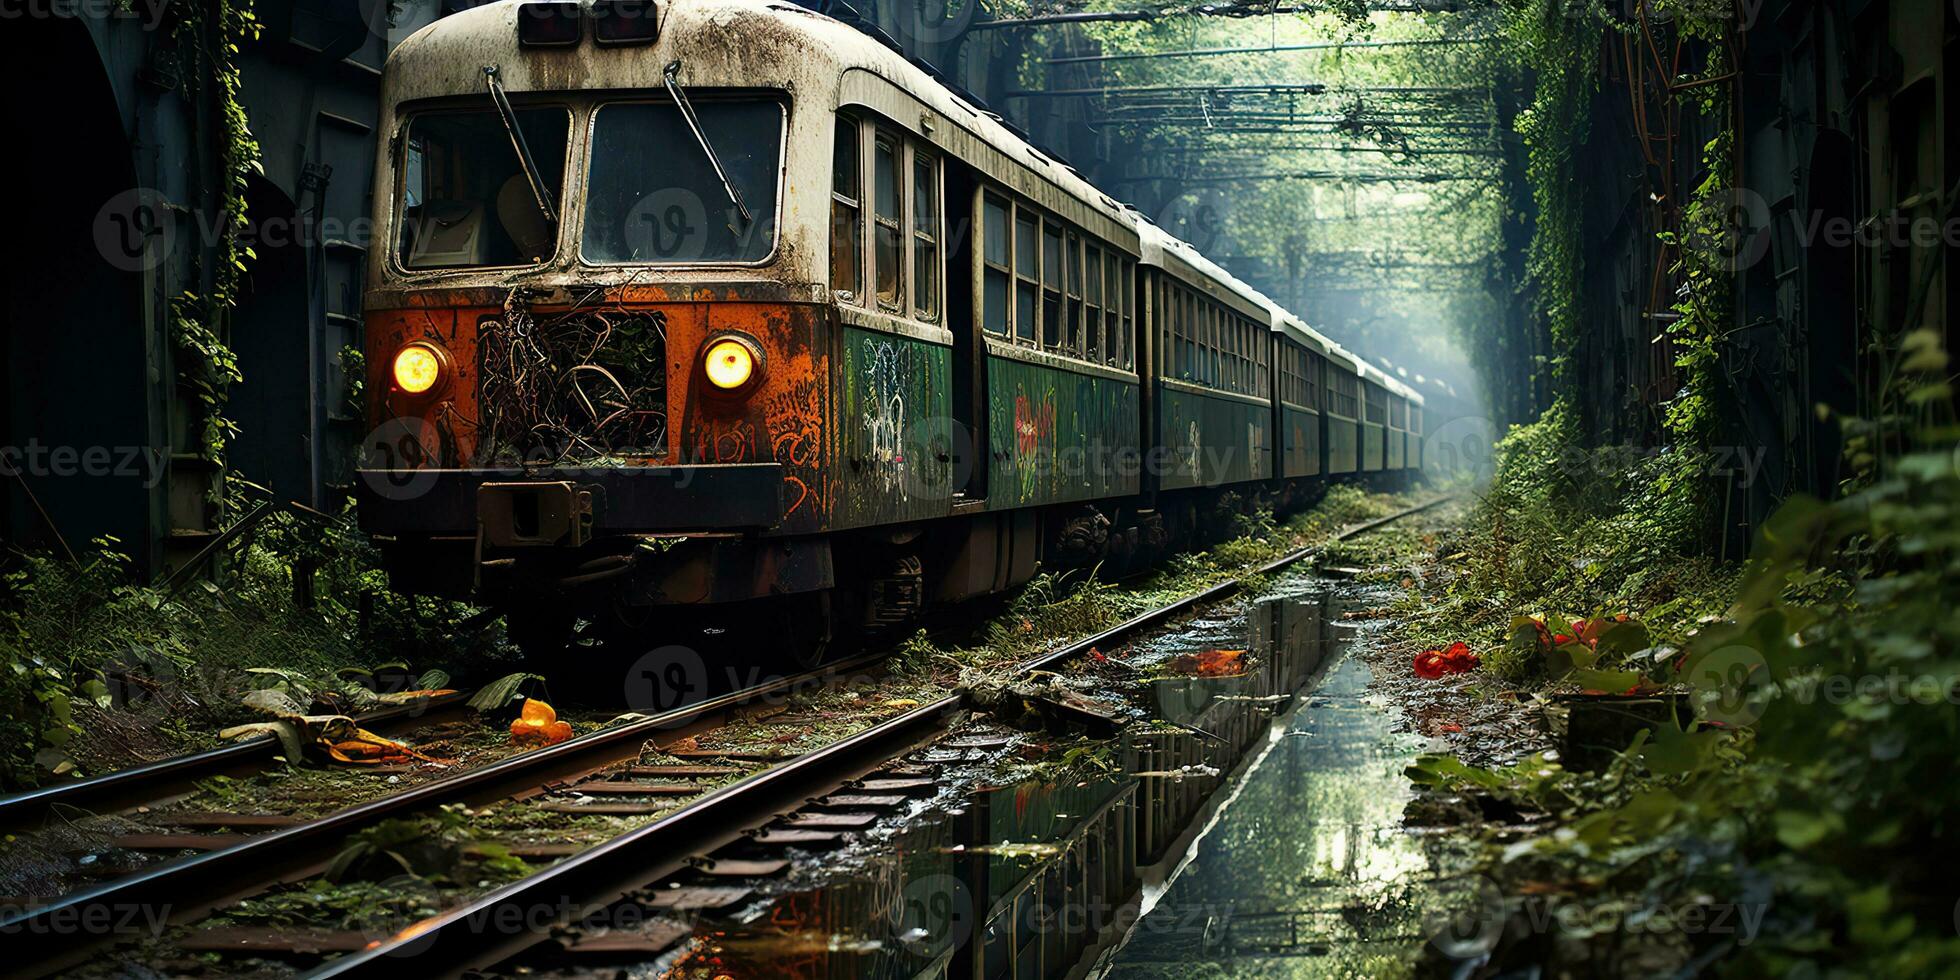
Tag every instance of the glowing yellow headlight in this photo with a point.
(730, 363)
(417, 368)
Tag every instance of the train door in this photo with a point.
(970, 462)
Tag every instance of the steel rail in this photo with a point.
(597, 878)
(127, 788)
(56, 935)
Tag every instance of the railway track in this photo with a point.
(699, 850)
(137, 786)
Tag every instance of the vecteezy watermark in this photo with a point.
(1462, 448)
(666, 678)
(1741, 922)
(1199, 218)
(1735, 687)
(148, 15)
(135, 231)
(139, 229)
(932, 913)
(147, 464)
(85, 919)
(1745, 13)
(1465, 919)
(939, 21)
(1744, 462)
(399, 458)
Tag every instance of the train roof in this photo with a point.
(1293, 328)
(756, 44)
(1180, 258)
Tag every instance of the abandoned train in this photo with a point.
(723, 304)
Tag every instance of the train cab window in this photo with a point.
(679, 211)
(996, 275)
(846, 212)
(888, 240)
(925, 236)
(1027, 274)
(1051, 283)
(1092, 300)
(466, 201)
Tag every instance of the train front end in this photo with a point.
(590, 289)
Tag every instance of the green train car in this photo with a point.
(856, 348)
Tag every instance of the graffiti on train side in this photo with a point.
(794, 418)
(1034, 423)
(884, 417)
(730, 440)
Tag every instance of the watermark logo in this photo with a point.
(668, 225)
(396, 932)
(1466, 918)
(150, 14)
(665, 679)
(1737, 233)
(1730, 685)
(1463, 448)
(939, 21)
(134, 230)
(933, 913)
(1200, 218)
(399, 458)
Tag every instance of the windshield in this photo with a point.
(654, 196)
(465, 200)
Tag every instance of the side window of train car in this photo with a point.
(925, 235)
(1072, 334)
(846, 213)
(1398, 413)
(1112, 310)
(1129, 316)
(888, 237)
(1051, 285)
(1377, 403)
(1027, 272)
(996, 275)
(1092, 304)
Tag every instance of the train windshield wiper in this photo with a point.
(539, 192)
(671, 76)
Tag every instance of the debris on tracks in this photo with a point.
(1040, 701)
(537, 724)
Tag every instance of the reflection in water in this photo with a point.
(1307, 872)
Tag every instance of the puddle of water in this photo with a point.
(1299, 868)
(1306, 870)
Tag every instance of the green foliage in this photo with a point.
(149, 667)
(1567, 532)
(1805, 785)
(207, 39)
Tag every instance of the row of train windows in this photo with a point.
(1213, 346)
(1299, 377)
(903, 221)
(1049, 286)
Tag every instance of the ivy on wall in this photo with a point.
(207, 39)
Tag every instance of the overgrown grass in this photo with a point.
(102, 670)
(1557, 534)
(1803, 789)
(1059, 607)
